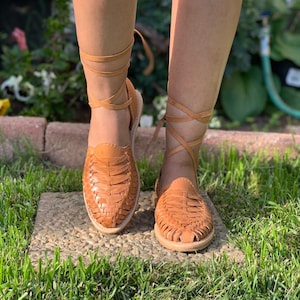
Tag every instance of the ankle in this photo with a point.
(109, 126)
(179, 165)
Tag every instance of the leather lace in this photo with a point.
(109, 102)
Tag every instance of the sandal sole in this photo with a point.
(183, 247)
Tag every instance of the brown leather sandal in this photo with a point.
(183, 221)
(111, 182)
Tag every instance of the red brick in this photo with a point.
(147, 147)
(293, 129)
(252, 142)
(19, 131)
(66, 143)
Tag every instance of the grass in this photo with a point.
(257, 199)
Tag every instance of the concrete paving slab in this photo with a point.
(62, 222)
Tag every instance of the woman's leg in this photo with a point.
(202, 32)
(106, 28)
(110, 177)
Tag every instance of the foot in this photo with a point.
(183, 221)
(111, 181)
(178, 165)
(109, 126)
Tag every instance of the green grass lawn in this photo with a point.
(257, 199)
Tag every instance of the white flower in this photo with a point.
(161, 114)
(27, 89)
(160, 102)
(47, 78)
(11, 83)
(146, 121)
(215, 123)
(22, 91)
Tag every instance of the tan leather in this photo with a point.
(183, 221)
(109, 102)
(111, 186)
(110, 179)
(203, 117)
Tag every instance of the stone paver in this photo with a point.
(66, 143)
(62, 222)
(17, 133)
(252, 142)
(293, 129)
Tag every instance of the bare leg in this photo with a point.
(106, 28)
(110, 177)
(202, 32)
(201, 36)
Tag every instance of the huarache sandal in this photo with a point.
(110, 179)
(183, 221)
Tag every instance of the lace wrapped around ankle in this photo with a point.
(110, 178)
(183, 221)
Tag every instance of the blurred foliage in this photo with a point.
(237, 96)
(58, 54)
(29, 15)
(157, 15)
(58, 57)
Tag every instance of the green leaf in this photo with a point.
(291, 97)
(278, 6)
(244, 95)
(296, 5)
(286, 46)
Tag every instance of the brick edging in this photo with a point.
(65, 143)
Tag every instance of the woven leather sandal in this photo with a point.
(183, 221)
(111, 182)
(110, 179)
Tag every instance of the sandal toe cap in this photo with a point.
(182, 216)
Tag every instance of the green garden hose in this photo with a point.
(267, 71)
